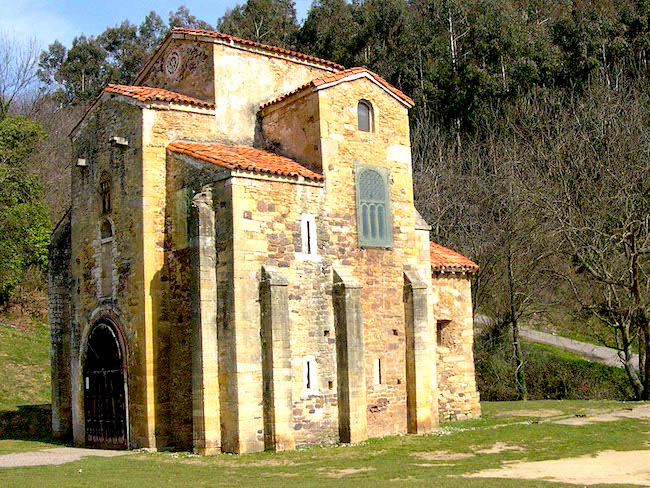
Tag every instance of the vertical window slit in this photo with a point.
(308, 374)
(309, 237)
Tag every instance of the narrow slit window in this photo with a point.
(309, 373)
(308, 230)
(364, 116)
(378, 375)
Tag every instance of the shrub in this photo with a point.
(550, 372)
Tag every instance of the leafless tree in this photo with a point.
(18, 63)
(595, 188)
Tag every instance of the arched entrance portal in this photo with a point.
(104, 389)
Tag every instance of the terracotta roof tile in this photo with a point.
(246, 158)
(149, 94)
(264, 47)
(443, 259)
(340, 76)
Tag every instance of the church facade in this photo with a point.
(243, 268)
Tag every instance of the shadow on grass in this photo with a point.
(29, 423)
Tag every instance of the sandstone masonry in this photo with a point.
(243, 268)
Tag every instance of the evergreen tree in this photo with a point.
(267, 21)
(24, 226)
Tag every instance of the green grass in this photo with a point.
(377, 460)
(24, 386)
(24, 365)
(24, 383)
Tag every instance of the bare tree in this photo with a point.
(18, 63)
(592, 171)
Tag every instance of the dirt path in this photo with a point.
(54, 456)
(606, 467)
(619, 467)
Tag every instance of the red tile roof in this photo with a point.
(149, 94)
(443, 259)
(263, 47)
(341, 76)
(246, 158)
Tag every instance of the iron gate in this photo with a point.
(104, 390)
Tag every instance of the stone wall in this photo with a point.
(125, 302)
(380, 271)
(60, 286)
(185, 179)
(160, 127)
(292, 128)
(184, 67)
(267, 231)
(139, 299)
(458, 396)
(244, 80)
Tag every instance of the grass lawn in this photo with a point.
(24, 365)
(432, 460)
(440, 459)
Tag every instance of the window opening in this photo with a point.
(364, 116)
(308, 227)
(309, 375)
(309, 231)
(373, 207)
(106, 230)
(106, 233)
(105, 192)
(378, 379)
(440, 331)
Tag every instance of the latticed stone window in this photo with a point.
(365, 116)
(374, 226)
(105, 192)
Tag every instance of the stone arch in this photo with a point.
(108, 318)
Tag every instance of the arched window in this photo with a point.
(106, 230)
(365, 116)
(105, 192)
(374, 225)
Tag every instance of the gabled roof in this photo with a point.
(144, 94)
(149, 94)
(244, 158)
(345, 76)
(446, 260)
(187, 33)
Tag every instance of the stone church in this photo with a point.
(242, 266)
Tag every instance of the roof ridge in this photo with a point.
(117, 89)
(259, 45)
(151, 93)
(340, 76)
(235, 157)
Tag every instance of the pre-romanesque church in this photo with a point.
(242, 266)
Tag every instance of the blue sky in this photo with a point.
(47, 20)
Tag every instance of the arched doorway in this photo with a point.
(105, 389)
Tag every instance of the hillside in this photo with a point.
(24, 364)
